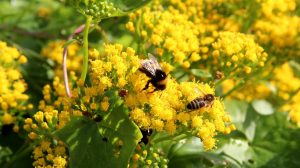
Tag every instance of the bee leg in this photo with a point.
(147, 85)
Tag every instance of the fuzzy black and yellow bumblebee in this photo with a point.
(200, 102)
(158, 78)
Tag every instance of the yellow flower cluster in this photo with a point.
(44, 12)
(161, 110)
(48, 155)
(166, 111)
(55, 109)
(179, 32)
(238, 53)
(288, 86)
(249, 91)
(55, 112)
(113, 68)
(171, 32)
(285, 81)
(278, 26)
(54, 52)
(148, 157)
(49, 152)
(293, 107)
(12, 86)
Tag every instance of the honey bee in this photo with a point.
(201, 102)
(154, 71)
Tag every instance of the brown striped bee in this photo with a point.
(200, 102)
(158, 78)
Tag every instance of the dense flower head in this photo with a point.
(277, 26)
(55, 112)
(237, 53)
(13, 99)
(55, 108)
(159, 110)
(287, 89)
(178, 30)
(172, 34)
(285, 81)
(250, 91)
(49, 154)
(115, 69)
(293, 107)
(54, 51)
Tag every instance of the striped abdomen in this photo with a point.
(196, 104)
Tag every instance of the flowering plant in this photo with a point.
(180, 83)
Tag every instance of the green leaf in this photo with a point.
(190, 153)
(201, 73)
(5, 153)
(263, 107)
(237, 111)
(237, 149)
(94, 145)
(295, 66)
(249, 125)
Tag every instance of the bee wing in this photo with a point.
(154, 61)
(199, 91)
(150, 65)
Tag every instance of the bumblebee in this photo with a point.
(201, 102)
(158, 78)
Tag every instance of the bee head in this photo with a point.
(160, 75)
(209, 97)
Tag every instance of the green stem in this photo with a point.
(179, 135)
(233, 89)
(86, 48)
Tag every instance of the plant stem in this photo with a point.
(86, 48)
(233, 89)
(65, 54)
(181, 135)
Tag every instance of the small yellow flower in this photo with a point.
(105, 104)
(7, 119)
(39, 116)
(32, 135)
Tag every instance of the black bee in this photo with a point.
(154, 71)
(200, 102)
(146, 134)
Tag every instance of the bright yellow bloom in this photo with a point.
(239, 51)
(7, 119)
(12, 85)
